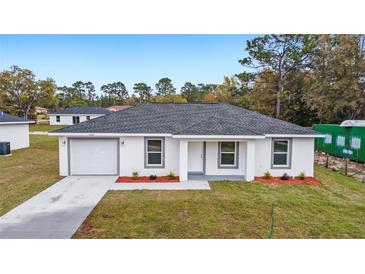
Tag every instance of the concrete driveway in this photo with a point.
(58, 211)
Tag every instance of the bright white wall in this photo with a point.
(132, 157)
(211, 165)
(302, 157)
(67, 119)
(63, 156)
(16, 134)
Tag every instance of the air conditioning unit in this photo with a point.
(5, 148)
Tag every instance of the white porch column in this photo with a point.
(183, 160)
(250, 160)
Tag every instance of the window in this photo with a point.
(75, 119)
(340, 141)
(328, 139)
(58, 119)
(281, 153)
(154, 152)
(227, 154)
(87, 118)
(355, 142)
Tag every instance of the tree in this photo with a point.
(190, 92)
(164, 87)
(143, 91)
(337, 88)
(170, 98)
(228, 91)
(69, 96)
(48, 98)
(86, 91)
(280, 54)
(209, 97)
(21, 88)
(115, 91)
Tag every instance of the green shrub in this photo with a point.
(135, 175)
(267, 175)
(301, 175)
(171, 175)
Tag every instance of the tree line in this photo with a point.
(303, 79)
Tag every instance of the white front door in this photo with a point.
(196, 157)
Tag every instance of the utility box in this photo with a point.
(5, 148)
(345, 141)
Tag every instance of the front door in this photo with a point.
(196, 157)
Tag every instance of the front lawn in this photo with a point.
(28, 171)
(44, 127)
(234, 210)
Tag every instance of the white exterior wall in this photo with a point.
(132, 157)
(16, 134)
(63, 155)
(132, 153)
(302, 157)
(211, 164)
(67, 119)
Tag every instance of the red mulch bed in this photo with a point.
(146, 179)
(293, 181)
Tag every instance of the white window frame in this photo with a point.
(162, 152)
(220, 165)
(288, 153)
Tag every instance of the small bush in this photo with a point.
(153, 177)
(285, 177)
(267, 175)
(135, 175)
(301, 175)
(171, 175)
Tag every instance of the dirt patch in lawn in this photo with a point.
(146, 179)
(292, 181)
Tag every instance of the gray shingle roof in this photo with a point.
(187, 119)
(7, 118)
(82, 110)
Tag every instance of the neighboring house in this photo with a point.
(211, 140)
(40, 110)
(117, 108)
(75, 115)
(15, 130)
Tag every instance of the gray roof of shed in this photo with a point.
(7, 118)
(82, 110)
(187, 119)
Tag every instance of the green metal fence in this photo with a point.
(344, 142)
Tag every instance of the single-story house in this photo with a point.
(75, 115)
(219, 141)
(117, 108)
(15, 130)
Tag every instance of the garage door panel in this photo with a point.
(94, 156)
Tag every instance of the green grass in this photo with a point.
(44, 127)
(28, 171)
(234, 210)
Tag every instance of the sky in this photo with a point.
(130, 59)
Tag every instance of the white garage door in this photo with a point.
(94, 156)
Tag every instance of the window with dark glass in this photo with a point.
(75, 119)
(87, 118)
(154, 152)
(228, 154)
(280, 157)
(58, 118)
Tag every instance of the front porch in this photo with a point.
(214, 159)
